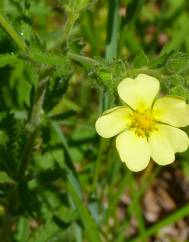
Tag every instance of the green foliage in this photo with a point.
(5, 178)
(7, 59)
(49, 59)
(44, 233)
(140, 60)
(60, 64)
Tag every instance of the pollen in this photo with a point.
(142, 123)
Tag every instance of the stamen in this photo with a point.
(142, 123)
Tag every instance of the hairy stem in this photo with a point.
(32, 127)
(12, 33)
(111, 53)
(35, 122)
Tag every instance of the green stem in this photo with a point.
(86, 218)
(88, 62)
(112, 41)
(74, 190)
(34, 123)
(179, 214)
(113, 26)
(71, 18)
(83, 60)
(135, 205)
(104, 143)
(111, 53)
(37, 107)
(12, 33)
(33, 128)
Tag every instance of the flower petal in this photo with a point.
(165, 142)
(133, 150)
(139, 93)
(113, 121)
(171, 110)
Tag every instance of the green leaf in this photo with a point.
(170, 219)
(140, 60)
(45, 232)
(177, 63)
(179, 91)
(66, 215)
(161, 60)
(22, 230)
(133, 10)
(130, 38)
(7, 59)
(85, 216)
(113, 32)
(49, 58)
(5, 178)
(76, 195)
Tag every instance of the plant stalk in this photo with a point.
(12, 33)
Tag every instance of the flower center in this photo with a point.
(142, 123)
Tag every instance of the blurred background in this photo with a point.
(59, 181)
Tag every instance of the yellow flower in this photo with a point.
(145, 127)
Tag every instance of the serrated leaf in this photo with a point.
(5, 178)
(161, 60)
(179, 91)
(177, 63)
(67, 215)
(48, 58)
(13, 147)
(140, 60)
(45, 233)
(7, 59)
